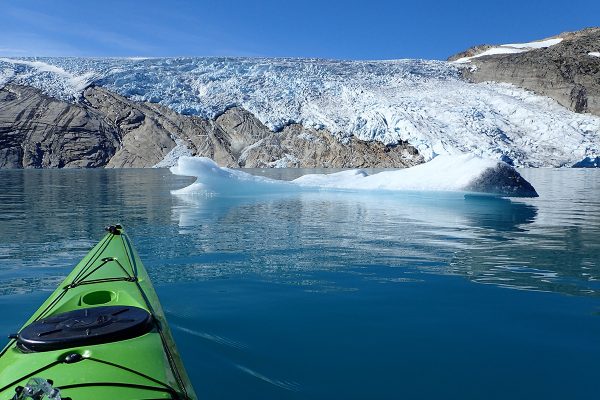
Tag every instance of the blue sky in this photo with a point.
(350, 29)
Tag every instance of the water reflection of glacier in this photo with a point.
(314, 239)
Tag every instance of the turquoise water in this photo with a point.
(336, 295)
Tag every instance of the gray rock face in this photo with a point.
(503, 180)
(108, 130)
(297, 146)
(564, 72)
(471, 51)
(37, 131)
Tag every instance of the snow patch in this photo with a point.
(539, 44)
(512, 49)
(287, 161)
(594, 54)
(29, 72)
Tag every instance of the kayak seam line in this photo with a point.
(52, 304)
(130, 385)
(95, 256)
(37, 371)
(132, 371)
(172, 365)
(8, 346)
(129, 253)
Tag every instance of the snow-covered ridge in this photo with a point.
(425, 103)
(465, 173)
(65, 85)
(512, 48)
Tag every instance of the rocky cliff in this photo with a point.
(566, 71)
(104, 129)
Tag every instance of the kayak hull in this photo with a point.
(143, 367)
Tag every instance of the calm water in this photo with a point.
(321, 296)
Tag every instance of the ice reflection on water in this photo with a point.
(285, 237)
(547, 244)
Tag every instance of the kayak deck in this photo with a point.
(142, 367)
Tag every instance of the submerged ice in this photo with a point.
(464, 173)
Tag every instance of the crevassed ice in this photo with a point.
(425, 103)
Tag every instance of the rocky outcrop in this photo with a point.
(297, 146)
(470, 52)
(502, 180)
(565, 72)
(37, 131)
(107, 130)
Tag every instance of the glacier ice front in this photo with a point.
(427, 104)
(462, 173)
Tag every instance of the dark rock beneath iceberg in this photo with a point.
(502, 180)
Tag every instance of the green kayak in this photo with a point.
(102, 335)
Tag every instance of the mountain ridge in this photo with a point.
(565, 71)
(300, 112)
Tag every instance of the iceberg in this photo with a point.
(461, 173)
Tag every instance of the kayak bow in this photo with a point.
(101, 335)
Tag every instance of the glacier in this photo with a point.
(425, 103)
(464, 173)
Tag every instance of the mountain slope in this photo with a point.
(104, 129)
(374, 104)
(567, 69)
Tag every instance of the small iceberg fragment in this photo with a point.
(462, 173)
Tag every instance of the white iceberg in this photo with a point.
(462, 173)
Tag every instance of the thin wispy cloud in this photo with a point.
(311, 28)
(66, 33)
(10, 50)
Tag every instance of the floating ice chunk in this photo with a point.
(463, 173)
(213, 179)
